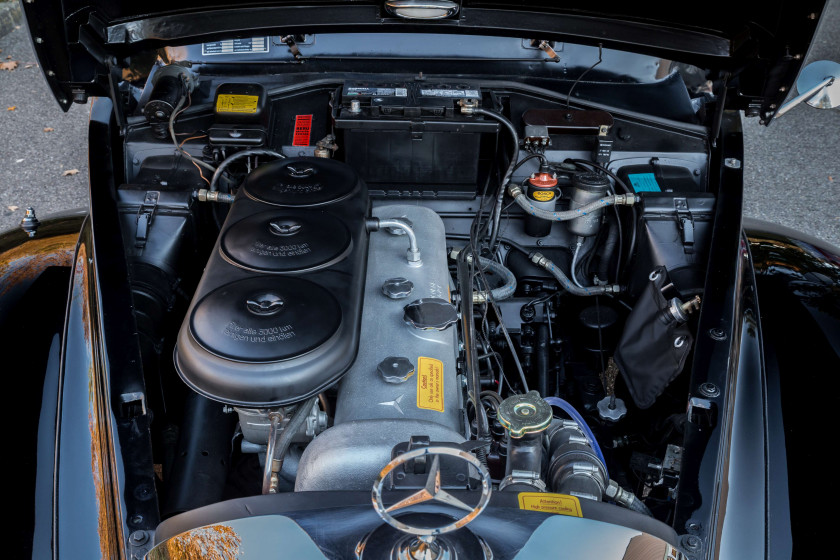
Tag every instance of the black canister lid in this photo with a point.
(278, 241)
(301, 182)
(265, 319)
(591, 181)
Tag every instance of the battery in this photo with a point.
(410, 139)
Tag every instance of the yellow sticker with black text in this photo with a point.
(543, 196)
(430, 384)
(230, 103)
(561, 504)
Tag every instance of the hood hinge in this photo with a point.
(97, 50)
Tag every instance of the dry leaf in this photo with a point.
(12, 108)
(9, 65)
(69, 172)
(12, 208)
(48, 129)
(9, 57)
(831, 179)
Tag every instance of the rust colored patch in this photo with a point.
(26, 262)
(216, 542)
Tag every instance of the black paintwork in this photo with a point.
(722, 491)
(336, 521)
(32, 306)
(759, 48)
(798, 280)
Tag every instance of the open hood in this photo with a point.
(755, 48)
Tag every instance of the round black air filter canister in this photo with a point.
(301, 182)
(275, 241)
(265, 319)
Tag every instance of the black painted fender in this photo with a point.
(34, 283)
(798, 282)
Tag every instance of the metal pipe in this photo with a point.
(413, 253)
(278, 445)
(275, 419)
(239, 155)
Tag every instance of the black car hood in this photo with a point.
(756, 48)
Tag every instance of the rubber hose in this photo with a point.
(570, 410)
(609, 247)
(504, 291)
(566, 215)
(567, 284)
(239, 155)
(497, 211)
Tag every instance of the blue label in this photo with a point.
(644, 182)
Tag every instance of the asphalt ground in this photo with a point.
(792, 167)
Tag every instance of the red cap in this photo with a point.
(543, 181)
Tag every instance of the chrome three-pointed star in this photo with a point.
(431, 492)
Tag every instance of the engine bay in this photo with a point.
(330, 274)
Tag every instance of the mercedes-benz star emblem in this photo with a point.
(431, 492)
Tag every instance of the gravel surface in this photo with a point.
(792, 168)
(33, 162)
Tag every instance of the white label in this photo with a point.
(236, 46)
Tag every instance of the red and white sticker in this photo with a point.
(303, 129)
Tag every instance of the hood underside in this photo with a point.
(757, 49)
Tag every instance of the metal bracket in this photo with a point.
(290, 42)
(145, 215)
(685, 221)
(97, 50)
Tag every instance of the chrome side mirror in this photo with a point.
(818, 86)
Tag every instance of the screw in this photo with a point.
(136, 519)
(539, 242)
(709, 389)
(783, 89)
(717, 334)
(138, 538)
(679, 341)
(732, 163)
(692, 542)
(694, 527)
(39, 40)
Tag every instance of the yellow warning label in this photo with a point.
(560, 504)
(543, 196)
(430, 384)
(229, 103)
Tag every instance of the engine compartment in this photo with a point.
(370, 270)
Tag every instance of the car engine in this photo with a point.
(327, 275)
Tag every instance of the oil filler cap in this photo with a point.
(524, 414)
(395, 369)
(430, 314)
